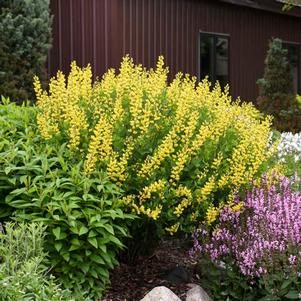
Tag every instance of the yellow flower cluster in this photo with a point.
(207, 189)
(155, 187)
(100, 146)
(173, 229)
(186, 194)
(62, 106)
(212, 214)
(169, 146)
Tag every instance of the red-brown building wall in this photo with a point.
(100, 32)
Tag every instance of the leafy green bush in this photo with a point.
(15, 121)
(42, 182)
(225, 282)
(23, 275)
(276, 90)
(25, 31)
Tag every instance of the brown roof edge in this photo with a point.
(267, 5)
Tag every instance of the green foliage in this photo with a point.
(39, 182)
(276, 90)
(289, 4)
(225, 282)
(277, 80)
(23, 275)
(25, 31)
(15, 122)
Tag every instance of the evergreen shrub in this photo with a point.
(25, 31)
(276, 90)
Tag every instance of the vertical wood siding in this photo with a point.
(100, 32)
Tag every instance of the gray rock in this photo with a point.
(178, 275)
(161, 293)
(197, 294)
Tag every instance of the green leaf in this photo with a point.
(107, 258)
(83, 230)
(58, 245)
(103, 272)
(84, 267)
(74, 230)
(66, 256)
(93, 241)
(103, 248)
(7, 170)
(57, 232)
(93, 273)
(116, 241)
(92, 233)
(294, 295)
(97, 259)
(75, 241)
(285, 284)
(74, 247)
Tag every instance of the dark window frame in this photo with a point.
(214, 35)
(298, 60)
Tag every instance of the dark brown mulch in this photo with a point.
(131, 283)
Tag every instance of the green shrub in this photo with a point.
(276, 90)
(25, 31)
(15, 121)
(23, 275)
(224, 282)
(174, 149)
(42, 182)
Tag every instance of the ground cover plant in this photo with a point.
(258, 244)
(23, 274)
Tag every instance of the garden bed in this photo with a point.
(131, 283)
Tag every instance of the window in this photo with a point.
(293, 51)
(214, 58)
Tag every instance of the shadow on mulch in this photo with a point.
(169, 266)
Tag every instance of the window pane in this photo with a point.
(222, 60)
(207, 57)
(214, 58)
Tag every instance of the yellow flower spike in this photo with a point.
(100, 147)
(207, 189)
(212, 214)
(173, 229)
(154, 187)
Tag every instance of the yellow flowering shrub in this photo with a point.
(175, 149)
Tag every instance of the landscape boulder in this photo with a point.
(161, 293)
(196, 293)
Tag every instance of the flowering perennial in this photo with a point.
(290, 145)
(171, 147)
(263, 236)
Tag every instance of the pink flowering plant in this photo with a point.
(261, 241)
